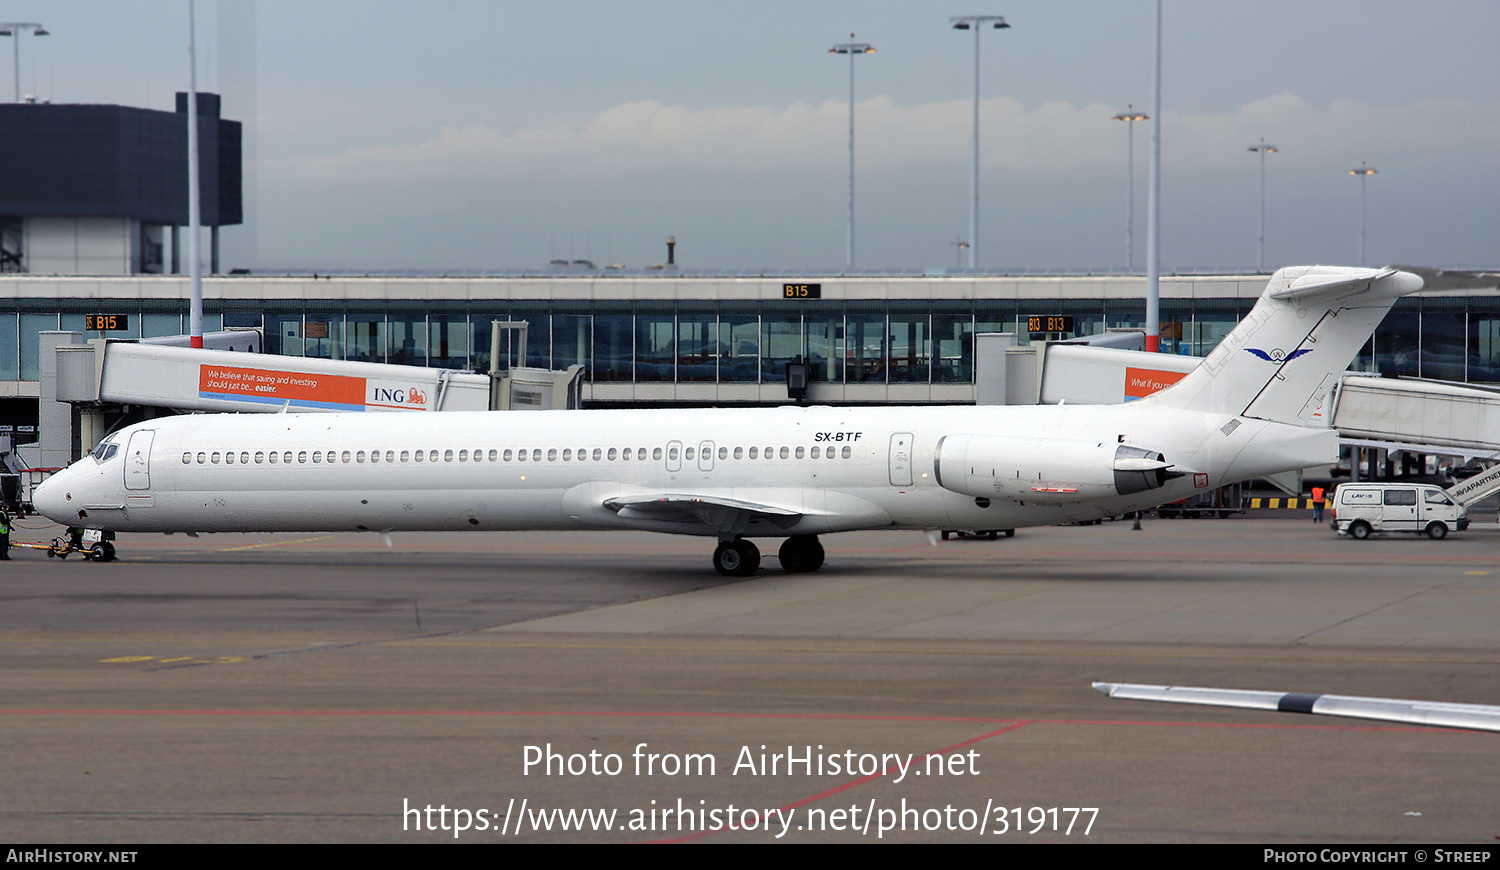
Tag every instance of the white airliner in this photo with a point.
(735, 474)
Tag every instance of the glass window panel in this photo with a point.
(1484, 348)
(1397, 346)
(10, 347)
(864, 348)
(825, 347)
(613, 347)
(781, 340)
(570, 340)
(739, 336)
(158, 325)
(1443, 346)
(406, 339)
(32, 325)
(698, 347)
(655, 347)
(448, 341)
(321, 334)
(953, 339)
(364, 338)
(909, 350)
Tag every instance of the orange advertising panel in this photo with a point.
(1144, 382)
(266, 385)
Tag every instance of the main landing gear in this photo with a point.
(736, 558)
(799, 554)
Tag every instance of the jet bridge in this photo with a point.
(87, 387)
(215, 380)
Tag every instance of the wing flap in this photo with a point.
(675, 505)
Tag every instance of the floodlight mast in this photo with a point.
(1260, 254)
(976, 23)
(1363, 172)
(1130, 116)
(851, 49)
(13, 29)
(195, 220)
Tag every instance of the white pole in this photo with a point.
(1260, 250)
(1153, 218)
(849, 253)
(974, 175)
(195, 268)
(1130, 195)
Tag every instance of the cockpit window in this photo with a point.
(105, 451)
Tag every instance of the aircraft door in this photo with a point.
(138, 459)
(706, 456)
(900, 459)
(674, 455)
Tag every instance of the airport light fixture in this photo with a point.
(976, 23)
(13, 29)
(1363, 172)
(1130, 116)
(852, 49)
(959, 246)
(1260, 255)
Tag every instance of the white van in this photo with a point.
(1361, 509)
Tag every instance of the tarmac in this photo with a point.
(324, 688)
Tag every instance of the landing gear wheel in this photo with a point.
(736, 558)
(103, 551)
(801, 554)
(1437, 531)
(1009, 533)
(992, 534)
(1359, 531)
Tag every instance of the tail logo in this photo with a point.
(1278, 356)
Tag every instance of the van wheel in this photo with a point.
(1359, 531)
(1437, 531)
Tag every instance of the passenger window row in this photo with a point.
(534, 454)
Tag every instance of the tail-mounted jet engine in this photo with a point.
(1046, 470)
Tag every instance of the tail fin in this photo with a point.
(1282, 362)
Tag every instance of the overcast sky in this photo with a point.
(474, 134)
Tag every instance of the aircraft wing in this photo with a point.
(1478, 717)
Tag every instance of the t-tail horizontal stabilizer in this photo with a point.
(1476, 717)
(1283, 361)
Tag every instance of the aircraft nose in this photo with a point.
(52, 499)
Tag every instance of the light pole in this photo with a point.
(13, 30)
(195, 202)
(1363, 172)
(1153, 206)
(1260, 255)
(851, 49)
(976, 23)
(1130, 116)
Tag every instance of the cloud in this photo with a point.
(1052, 137)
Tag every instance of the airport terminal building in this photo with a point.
(684, 339)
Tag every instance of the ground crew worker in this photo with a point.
(1317, 503)
(4, 534)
